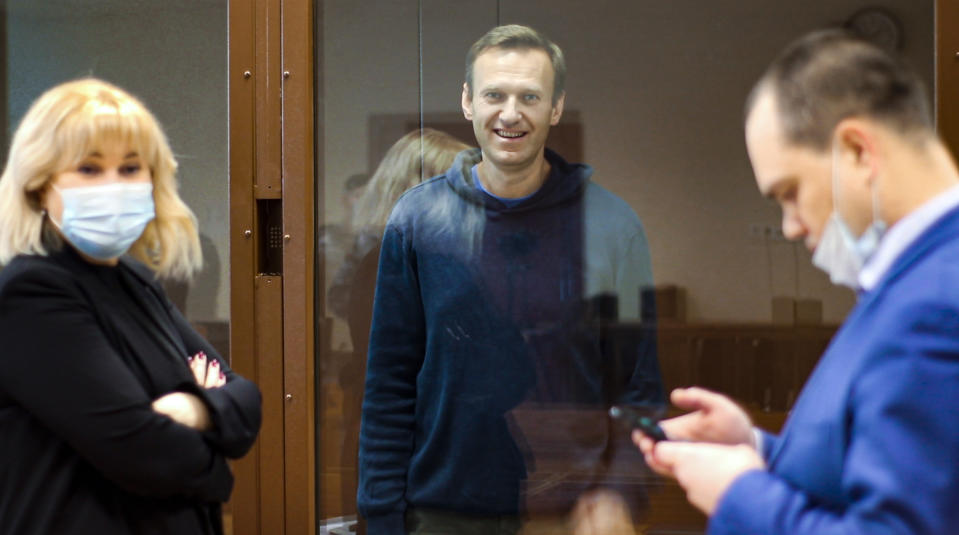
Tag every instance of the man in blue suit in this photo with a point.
(839, 134)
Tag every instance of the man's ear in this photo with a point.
(467, 103)
(858, 146)
(557, 111)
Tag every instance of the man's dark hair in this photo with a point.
(831, 75)
(514, 36)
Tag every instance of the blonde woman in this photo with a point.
(116, 416)
(415, 157)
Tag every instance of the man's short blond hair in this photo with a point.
(515, 36)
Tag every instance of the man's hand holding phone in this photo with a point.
(712, 418)
(637, 421)
(717, 445)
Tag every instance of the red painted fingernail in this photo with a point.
(215, 363)
(222, 376)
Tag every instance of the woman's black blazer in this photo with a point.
(84, 350)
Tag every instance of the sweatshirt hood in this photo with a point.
(565, 181)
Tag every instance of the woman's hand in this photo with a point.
(185, 409)
(207, 371)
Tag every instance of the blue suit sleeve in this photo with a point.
(900, 471)
(767, 443)
(396, 352)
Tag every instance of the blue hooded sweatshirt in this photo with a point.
(484, 308)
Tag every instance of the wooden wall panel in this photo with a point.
(257, 300)
(947, 72)
(244, 504)
(268, 303)
(299, 205)
(268, 79)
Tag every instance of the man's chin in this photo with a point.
(509, 158)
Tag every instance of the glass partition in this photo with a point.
(528, 328)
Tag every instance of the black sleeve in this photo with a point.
(234, 407)
(57, 365)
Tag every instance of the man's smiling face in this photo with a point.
(512, 106)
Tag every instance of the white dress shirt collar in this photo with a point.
(901, 235)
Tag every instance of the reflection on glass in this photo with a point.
(487, 348)
(417, 156)
(736, 307)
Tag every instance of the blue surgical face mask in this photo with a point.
(103, 221)
(839, 253)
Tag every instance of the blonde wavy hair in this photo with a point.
(64, 126)
(416, 156)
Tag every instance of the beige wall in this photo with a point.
(659, 88)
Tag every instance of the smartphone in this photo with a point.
(637, 421)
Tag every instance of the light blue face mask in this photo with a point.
(839, 253)
(103, 221)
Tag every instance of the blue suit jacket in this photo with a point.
(872, 445)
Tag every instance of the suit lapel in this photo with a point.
(153, 316)
(945, 229)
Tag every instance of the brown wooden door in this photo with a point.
(271, 238)
(947, 72)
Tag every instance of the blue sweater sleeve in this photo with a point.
(397, 345)
(633, 273)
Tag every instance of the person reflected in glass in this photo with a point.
(415, 157)
(412, 159)
(335, 240)
(116, 416)
(482, 348)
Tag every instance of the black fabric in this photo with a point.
(84, 350)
